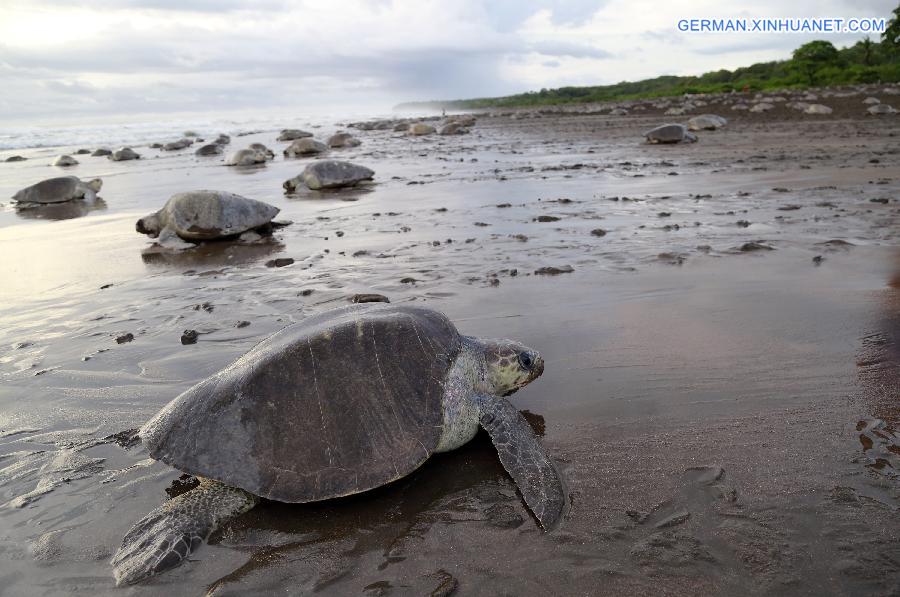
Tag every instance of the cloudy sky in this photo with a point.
(100, 57)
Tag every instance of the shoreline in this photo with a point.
(683, 373)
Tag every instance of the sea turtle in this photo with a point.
(210, 149)
(177, 145)
(338, 404)
(205, 215)
(881, 109)
(305, 146)
(59, 190)
(342, 140)
(706, 122)
(417, 129)
(123, 154)
(329, 174)
(670, 133)
(453, 128)
(65, 160)
(817, 109)
(246, 157)
(293, 134)
(262, 149)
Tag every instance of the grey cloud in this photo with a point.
(192, 68)
(209, 6)
(506, 15)
(569, 49)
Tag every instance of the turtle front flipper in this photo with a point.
(165, 537)
(524, 458)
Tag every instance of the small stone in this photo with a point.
(671, 258)
(408, 280)
(189, 337)
(370, 298)
(280, 262)
(598, 232)
(124, 338)
(553, 271)
(755, 246)
(546, 219)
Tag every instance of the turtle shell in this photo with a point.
(52, 190)
(206, 215)
(340, 403)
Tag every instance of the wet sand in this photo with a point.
(724, 419)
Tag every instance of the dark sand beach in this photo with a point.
(722, 383)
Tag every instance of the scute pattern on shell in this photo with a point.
(52, 190)
(204, 215)
(340, 403)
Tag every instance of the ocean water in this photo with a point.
(150, 128)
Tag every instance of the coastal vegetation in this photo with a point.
(814, 64)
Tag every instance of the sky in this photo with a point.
(118, 57)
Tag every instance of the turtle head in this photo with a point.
(95, 185)
(149, 225)
(509, 366)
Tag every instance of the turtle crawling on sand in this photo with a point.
(205, 215)
(59, 190)
(670, 133)
(338, 404)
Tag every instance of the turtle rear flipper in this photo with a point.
(524, 458)
(166, 536)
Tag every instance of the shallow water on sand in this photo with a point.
(724, 419)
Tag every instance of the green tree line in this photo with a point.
(814, 64)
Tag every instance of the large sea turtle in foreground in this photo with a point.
(338, 404)
(206, 215)
(58, 190)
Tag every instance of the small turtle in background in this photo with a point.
(64, 160)
(124, 154)
(670, 133)
(205, 215)
(210, 149)
(263, 150)
(329, 174)
(341, 403)
(246, 157)
(59, 190)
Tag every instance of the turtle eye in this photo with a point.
(526, 360)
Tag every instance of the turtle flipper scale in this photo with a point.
(524, 458)
(166, 536)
